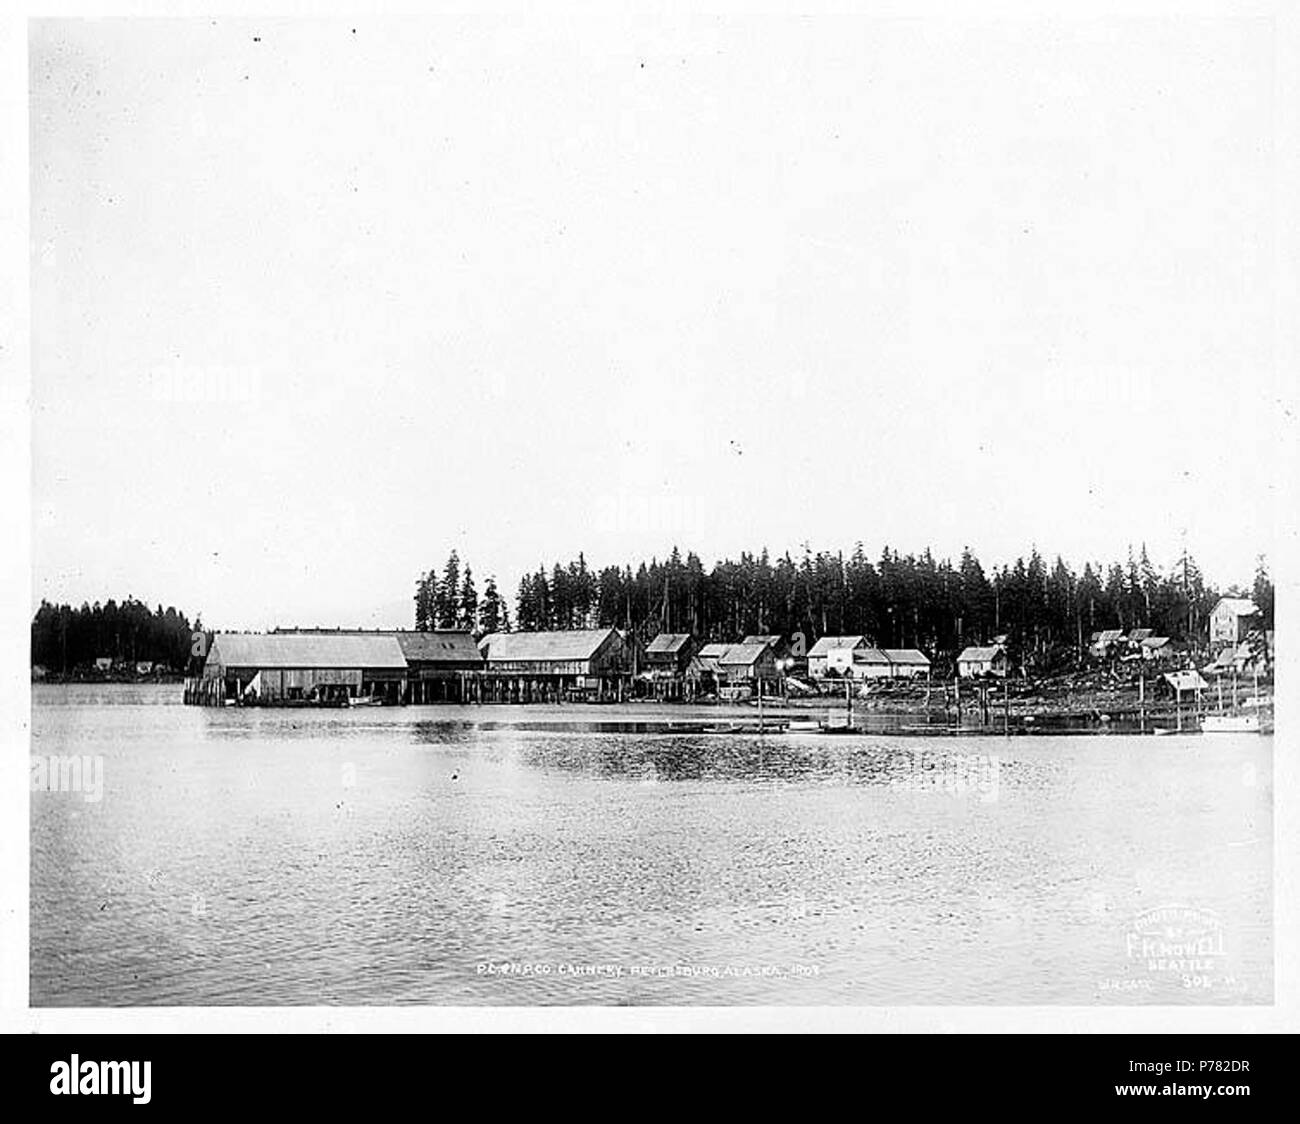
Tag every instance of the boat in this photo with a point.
(1230, 724)
(365, 700)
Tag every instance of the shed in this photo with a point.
(1185, 682)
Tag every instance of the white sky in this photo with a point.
(308, 312)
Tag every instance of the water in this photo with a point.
(496, 855)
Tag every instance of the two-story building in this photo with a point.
(553, 666)
(833, 655)
(1230, 620)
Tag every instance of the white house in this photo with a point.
(833, 653)
(908, 663)
(1185, 683)
(1156, 648)
(870, 663)
(982, 661)
(1230, 620)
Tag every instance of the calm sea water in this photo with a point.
(494, 855)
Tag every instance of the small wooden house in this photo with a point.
(908, 663)
(869, 663)
(833, 654)
(977, 661)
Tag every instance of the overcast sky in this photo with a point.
(313, 303)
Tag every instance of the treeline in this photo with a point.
(450, 600)
(1047, 610)
(65, 639)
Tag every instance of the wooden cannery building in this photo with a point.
(670, 652)
(439, 664)
(591, 665)
(288, 668)
(748, 664)
(704, 668)
(666, 664)
(437, 660)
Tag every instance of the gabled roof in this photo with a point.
(870, 656)
(439, 647)
(1139, 634)
(1109, 635)
(1242, 606)
(912, 656)
(1222, 662)
(436, 645)
(1186, 681)
(773, 638)
(980, 655)
(1155, 642)
(828, 644)
(305, 650)
(668, 642)
(743, 655)
(578, 644)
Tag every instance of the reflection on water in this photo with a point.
(493, 855)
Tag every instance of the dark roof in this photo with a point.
(743, 655)
(306, 649)
(579, 644)
(668, 642)
(869, 655)
(439, 647)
